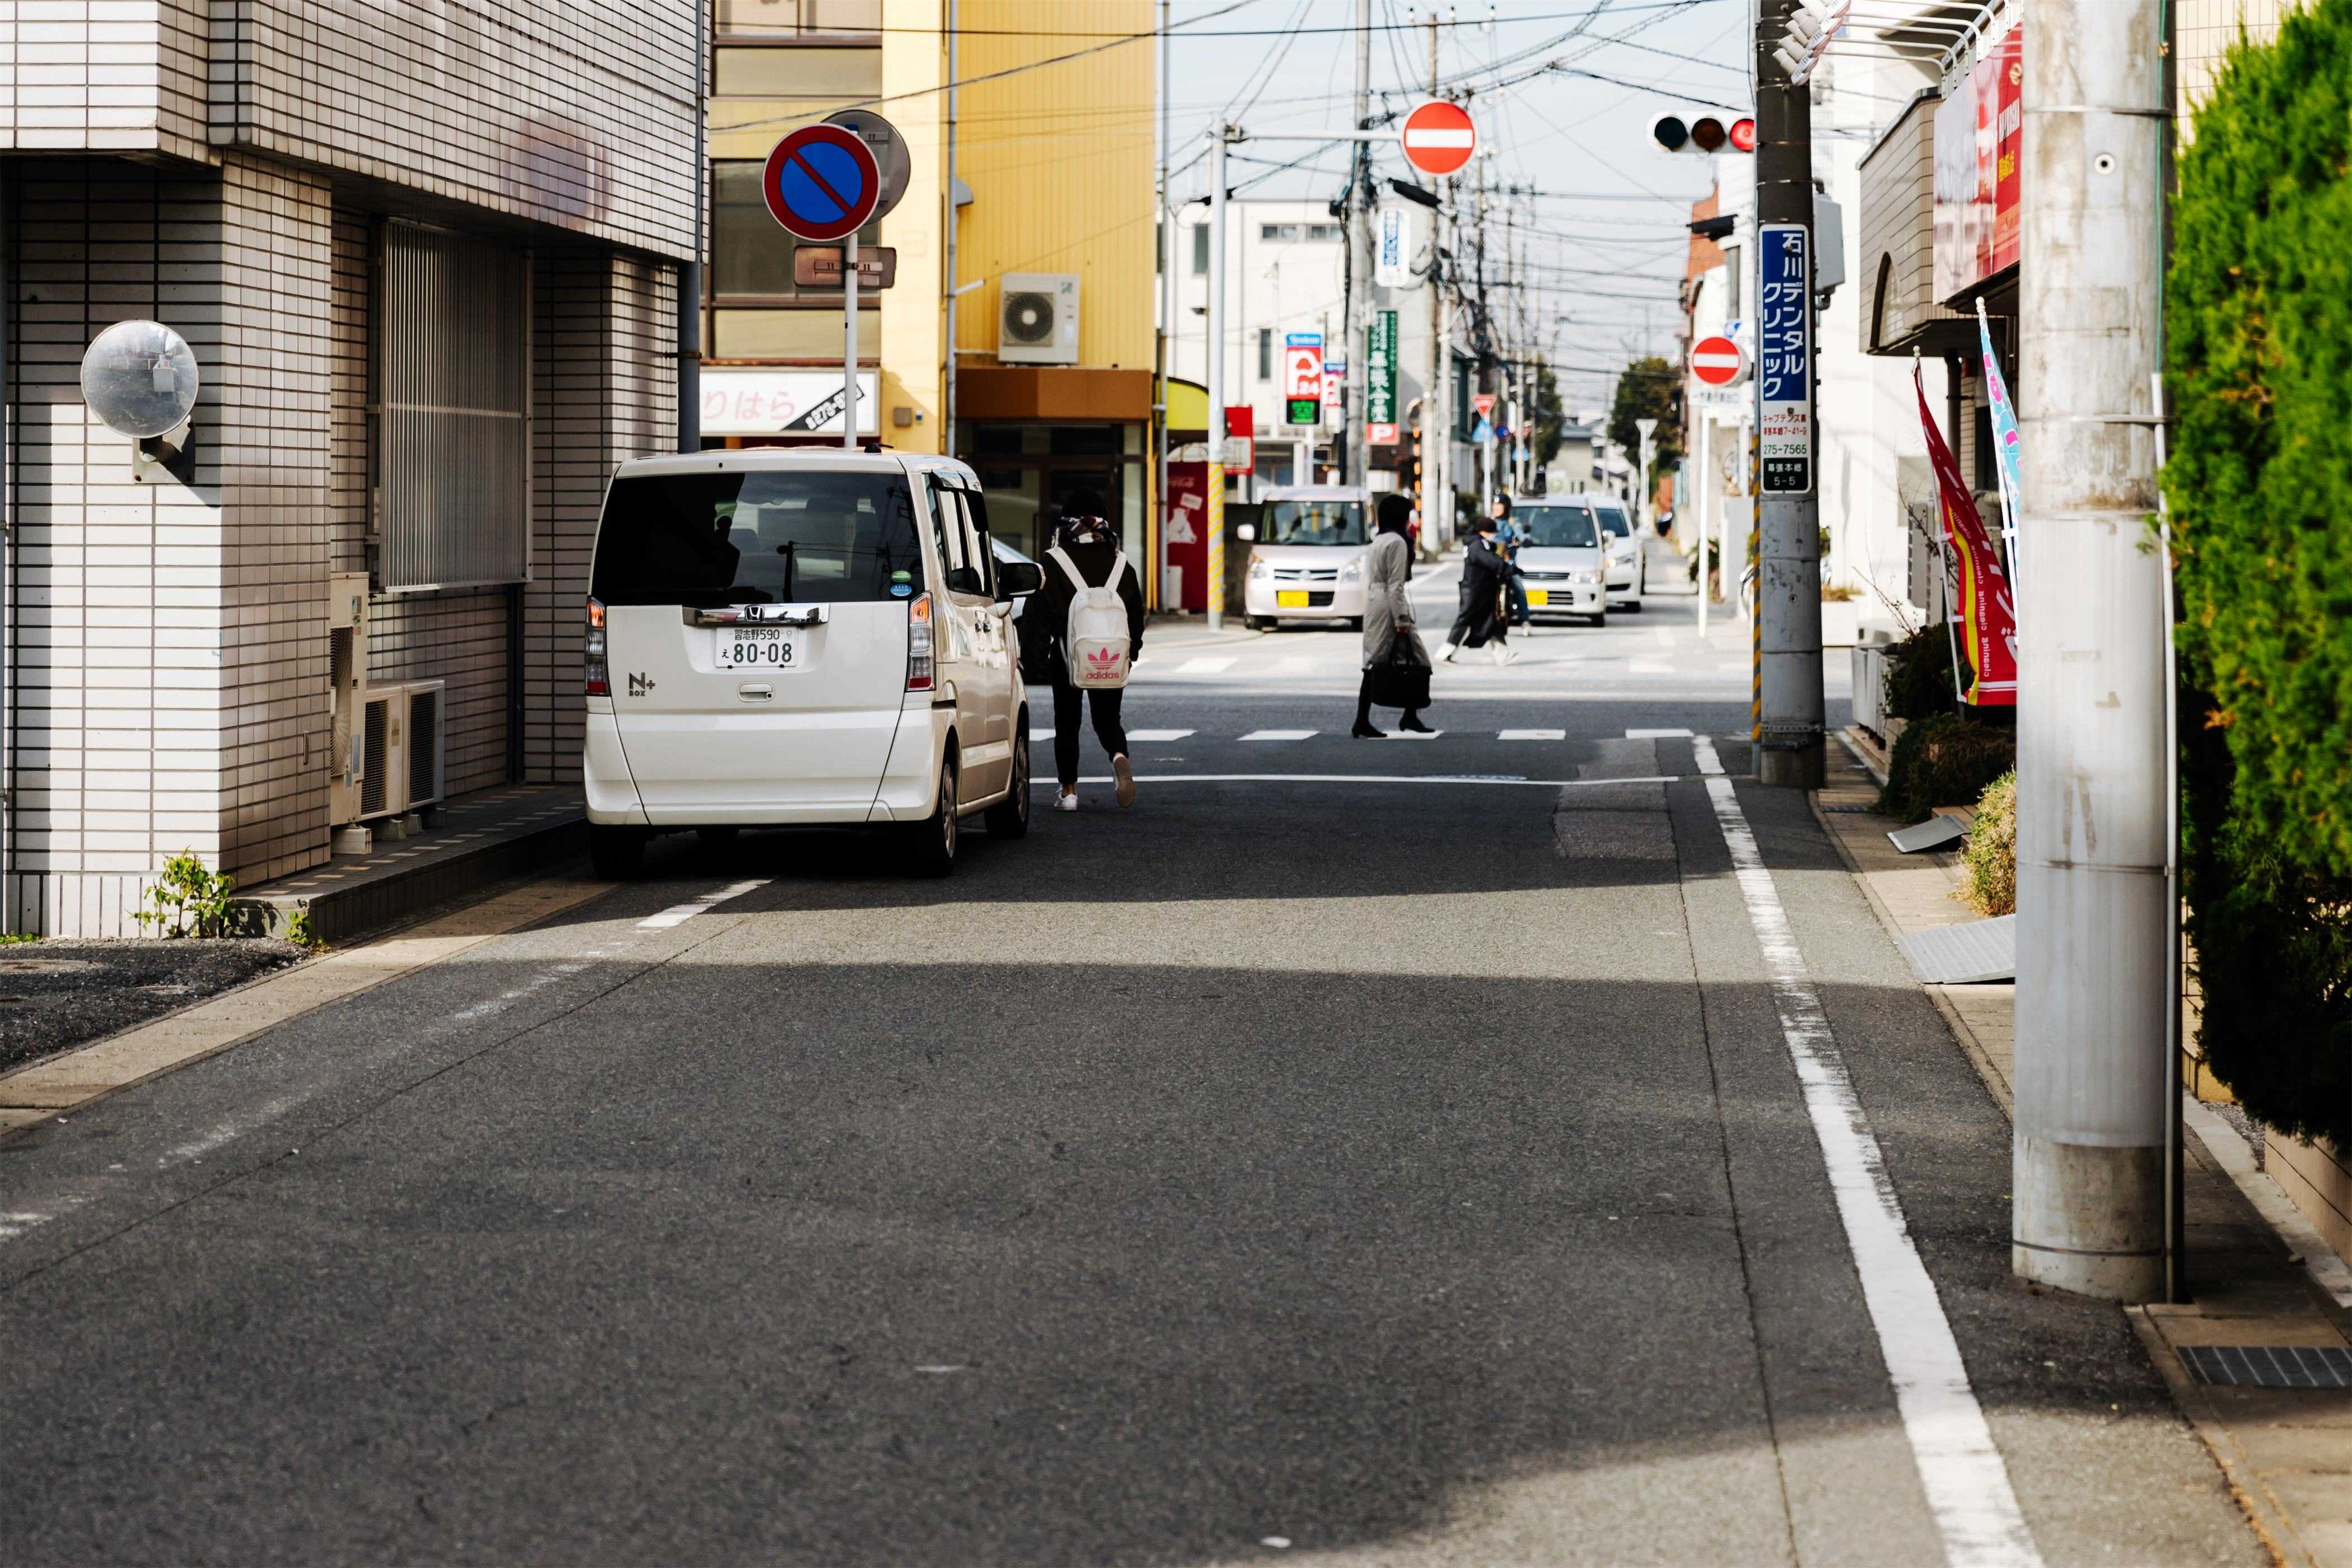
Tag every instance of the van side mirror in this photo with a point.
(1246, 531)
(1018, 579)
(966, 580)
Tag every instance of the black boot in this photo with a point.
(1412, 725)
(1363, 730)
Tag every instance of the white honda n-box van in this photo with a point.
(787, 637)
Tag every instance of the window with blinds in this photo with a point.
(454, 421)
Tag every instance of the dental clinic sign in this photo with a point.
(1784, 358)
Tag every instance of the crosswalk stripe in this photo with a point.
(1205, 665)
(1279, 735)
(1157, 734)
(1532, 735)
(1413, 734)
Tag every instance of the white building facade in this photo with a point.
(427, 257)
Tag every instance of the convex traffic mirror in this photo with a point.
(141, 378)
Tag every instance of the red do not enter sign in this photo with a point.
(1716, 361)
(1438, 138)
(821, 183)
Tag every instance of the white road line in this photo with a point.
(1413, 734)
(1657, 735)
(678, 914)
(1662, 637)
(1514, 780)
(1961, 1470)
(1293, 667)
(1649, 666)
(1279, 735)
(1532, 735)
(1204, 667)
(1044, 734)
(1157, 734)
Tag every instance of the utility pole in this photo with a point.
(690, 275)
(1216, 320)
(1359, 275)
(1156, 545)
(1791, 731)
(2093, 932)
(954, 290)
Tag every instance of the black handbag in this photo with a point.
(1403, 681)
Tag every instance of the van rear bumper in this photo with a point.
(910, 784)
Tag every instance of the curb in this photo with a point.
(341, 913)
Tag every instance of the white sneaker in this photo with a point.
(1504, 655)
(1065, 800)
(1447, 657)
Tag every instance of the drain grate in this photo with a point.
(1851, 810)
(2271, 1366)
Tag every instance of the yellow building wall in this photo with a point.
(914, 318)
(1061, 165)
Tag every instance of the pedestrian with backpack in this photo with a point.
(1093, 604)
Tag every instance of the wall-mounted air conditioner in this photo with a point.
(1037, 319)
(426, 730)
(402, 730)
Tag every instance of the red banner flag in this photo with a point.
(1988, 613)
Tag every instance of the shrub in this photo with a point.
(1919, 676)
(1944, 761)
(2259, 361)
(188, 900)
(1988, 863)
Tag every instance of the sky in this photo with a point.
(1604, 239)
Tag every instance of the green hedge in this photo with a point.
(2259, 361)
(1919, 676)
(1944, 759)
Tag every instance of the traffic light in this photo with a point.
(1706, 133)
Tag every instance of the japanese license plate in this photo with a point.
(1538, 597)
(760, 647)
(1290, 598)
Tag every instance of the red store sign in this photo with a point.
(1978, 132)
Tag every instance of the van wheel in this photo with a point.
(1009, 817)
(618, 854)
(931, 843)
(1258, 623)
(1600, 620)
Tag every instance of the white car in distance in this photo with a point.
(1561, 556)
(799, 638)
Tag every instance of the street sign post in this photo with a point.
(1784, 359)
(1302, 377)
(1438, 138)
(1716, 361)
(889, 149)
(821, 184)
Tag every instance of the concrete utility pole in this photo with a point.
(2094, 932)
(1216, 565)
(1790, 729)
(1157, 569)
(689, 277)
(1649, 432)
(1360, 276)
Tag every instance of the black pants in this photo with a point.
(1104, 702)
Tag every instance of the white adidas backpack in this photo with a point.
(1095, 644)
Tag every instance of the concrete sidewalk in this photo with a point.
(2259, 1274)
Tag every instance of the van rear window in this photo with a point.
(756, 537)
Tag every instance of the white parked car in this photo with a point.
(1563, 556)
(1629, 564)
(795, 638)
(1306, 557)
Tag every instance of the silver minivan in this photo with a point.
(780, 637)
(1563, 556)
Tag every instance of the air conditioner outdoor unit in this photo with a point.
(1037, 319)
(384, 774)
(425, 707)
(347, 603)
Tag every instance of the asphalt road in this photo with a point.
(1404, 1164)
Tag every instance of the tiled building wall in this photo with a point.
(127, 75)
(166, 698)
(605, 391)
(578, 116)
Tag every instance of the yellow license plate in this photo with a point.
(1290, 598)
(1538, 597)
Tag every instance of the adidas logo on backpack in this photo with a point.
(1094, 644)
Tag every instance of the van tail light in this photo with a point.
(600, 678)
(919, 667)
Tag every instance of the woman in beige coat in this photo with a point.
(1389, 632)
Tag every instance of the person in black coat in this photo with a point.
(1086, 538)
(1485, 576)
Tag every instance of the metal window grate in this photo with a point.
(2271, 1366)
(454, 415)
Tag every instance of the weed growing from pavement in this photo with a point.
(189, 899)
